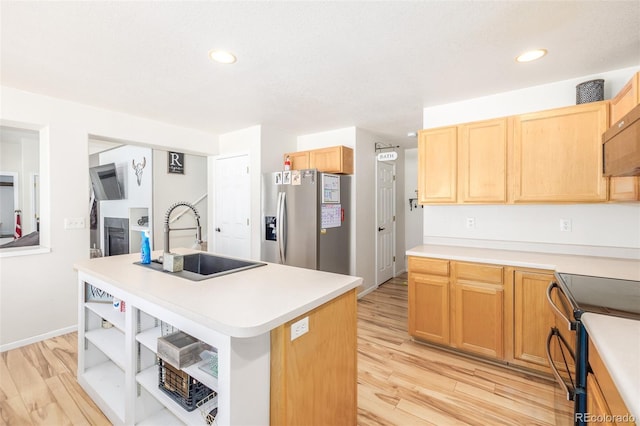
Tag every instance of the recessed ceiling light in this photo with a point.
(531, 55)
(222, 56)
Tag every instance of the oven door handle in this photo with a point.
(554, 369)
(553, 285)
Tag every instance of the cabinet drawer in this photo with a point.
(479, 272)
(429, 266)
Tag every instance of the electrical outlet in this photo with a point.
(471, 222)
(299, 328)
(74, 223)
(565, 225)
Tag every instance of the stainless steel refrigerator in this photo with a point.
(305, 217)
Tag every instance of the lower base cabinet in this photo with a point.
(532, 319)
(478, 308)
(495, 311)
(325, 393)
(605, 406)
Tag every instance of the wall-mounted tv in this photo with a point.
(106, 185)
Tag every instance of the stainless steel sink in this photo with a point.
(202, 266)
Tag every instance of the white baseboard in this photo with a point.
(367, 291)
(39, 338)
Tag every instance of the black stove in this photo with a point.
(607, 296)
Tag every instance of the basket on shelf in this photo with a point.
(181, 387)
(208, 407)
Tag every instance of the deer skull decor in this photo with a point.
(138, 168)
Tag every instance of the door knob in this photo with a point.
(218, 230)
(381, 228)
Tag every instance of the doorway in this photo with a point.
(232, 206)
(385, 220)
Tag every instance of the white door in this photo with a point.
(232, 197)
(385, 215)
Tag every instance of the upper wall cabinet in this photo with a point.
(557, 155)
(464, 164)
(437, 165)
(625, 188)
(336, 159)
(482, 162)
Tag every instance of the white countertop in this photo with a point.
(618, 343)
(241, 304)
(584, 265)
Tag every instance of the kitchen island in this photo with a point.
(264, 376)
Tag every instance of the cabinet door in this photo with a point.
(429, 308)
(299, 160)
(482, 162)
(478, 317)
(437, 165)
(625, 188)
(478, 308)
(626, 99)
(557, 155)
(596, 402)
(533, 319)
(337, 159)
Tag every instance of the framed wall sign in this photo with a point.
(175, 162)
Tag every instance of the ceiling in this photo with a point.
(306, 66)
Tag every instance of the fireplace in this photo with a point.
(116, 236)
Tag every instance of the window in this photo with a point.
(19, 187)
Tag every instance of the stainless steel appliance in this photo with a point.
(570, 296)
(306, 222)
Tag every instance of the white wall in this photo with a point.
(413, 217)
(599, 229)
(45, 285)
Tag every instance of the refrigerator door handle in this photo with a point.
(278, 226)
(283, 228)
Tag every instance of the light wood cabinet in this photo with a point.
(557, 155)
(335, 159)
(603, 397)
(625, 188)
(482, 162)
(532, 319)
(437, 165)
(302, 391)
(299, 160)
(627, 98)
(478, 308)
(457, 304)
(596, 402)
(429, 299)
(463, 164)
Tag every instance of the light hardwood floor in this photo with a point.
(400, 382)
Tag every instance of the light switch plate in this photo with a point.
(74, 223)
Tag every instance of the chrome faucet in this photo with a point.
(167, 229)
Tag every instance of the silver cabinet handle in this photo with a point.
(621, 124)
